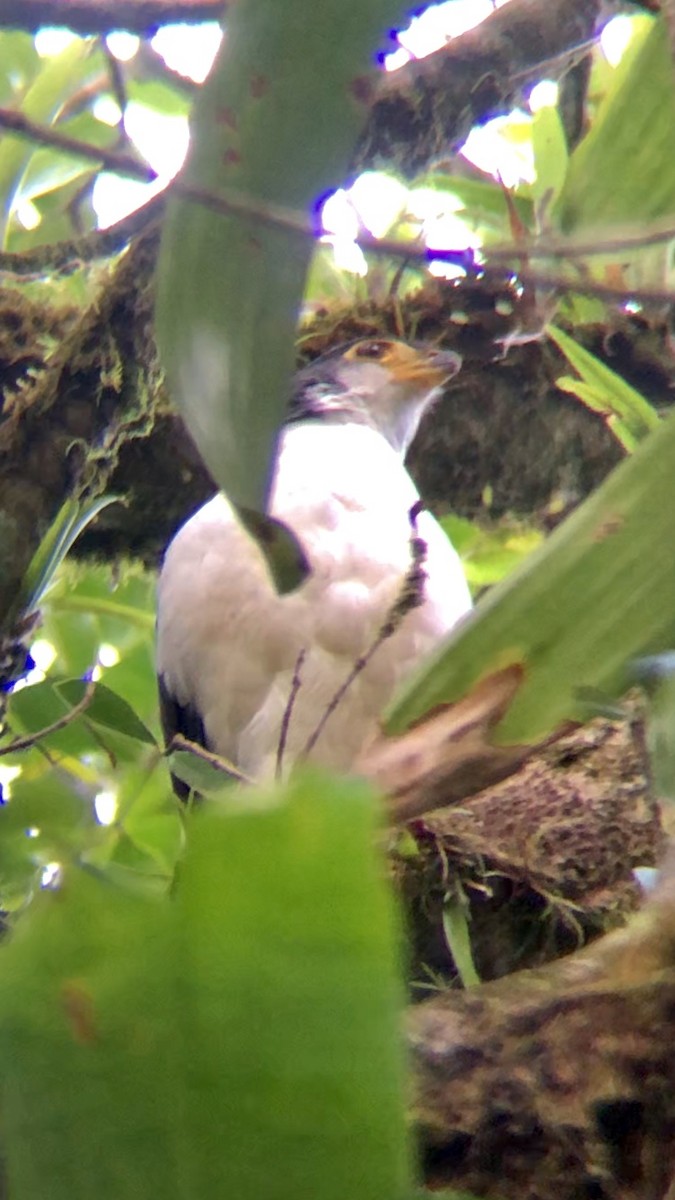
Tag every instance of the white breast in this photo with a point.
(228, 643)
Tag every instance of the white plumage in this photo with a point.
(228, 643)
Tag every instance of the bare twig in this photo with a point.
(627, 237)
(25, 743)
(112, 160)
(417, 113)
(588, 287)
(296, 683)
(62, 256)
(179, 742)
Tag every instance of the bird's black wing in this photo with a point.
(179, 718)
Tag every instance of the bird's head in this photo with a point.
(381, 382)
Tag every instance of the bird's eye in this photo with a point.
(371, 349)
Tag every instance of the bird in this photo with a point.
(265, 680)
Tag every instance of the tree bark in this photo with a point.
(556, 1083)
(419, 113)
(102, 16)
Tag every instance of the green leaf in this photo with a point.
(488, 554)
(53, 808)
(240, 1040)
(484, 201)
(168, 99)
(630, 416)
(122, 605)
(199, 774)
(72, 518)
(19, 64)
(600, 591)
(33, 709)
(108, 709)
(458, 937)
(624, 169)
(549, 145)
(50, 169)
(274, 125)
(41, 103)
(657, 675)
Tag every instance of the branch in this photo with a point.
(112, 160)
(427, 109)
(181, 743)
(450, 755)
(101, 16)
(31, 739)
(418, 113)
(62, 256)
(549, 1080)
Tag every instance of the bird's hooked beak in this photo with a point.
(423, 367)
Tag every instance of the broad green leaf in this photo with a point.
(549, 146)
(49, 712)
(123, 607)
(241, 1039)
(274, 125)
(19, 64)
(51, 807)
(629, 415)
(41, 103)
(32, 710)
(198, 774)
(171, 100)
(159, 838)
(599, 592)
(133, 678)
(50, 169)
(108, 709)
(76, 639)
(484, 201)
(624, 169)
(488, 554)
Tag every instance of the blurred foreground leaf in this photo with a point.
(239, 1040)
(598, 593)
(274, 125)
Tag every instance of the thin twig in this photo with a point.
(586, 287)
(180, 742)
(231, 203)
(410, 596)
(44, 135)
(628, 237)
(25, 743)
(296, 684)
